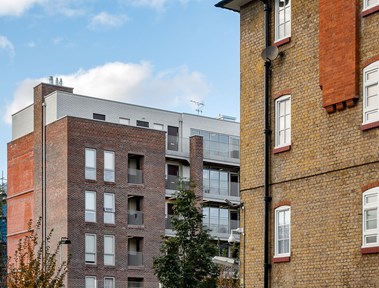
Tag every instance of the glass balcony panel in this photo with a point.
(172, 182)
(168, 223)
(135, 176)
(134, 284)
(135, 258)
(135, 217)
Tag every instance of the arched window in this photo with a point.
(283, 231)
(370, 231)
(371, 93)
(283, 121)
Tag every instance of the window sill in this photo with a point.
(136, 267)
(370, 250)
(109, 182)
(282, 41)
(136, 226)
(281, 259)
(91, 180)
(282, 149)
(370, 11)
(369, 125)
(110, 224)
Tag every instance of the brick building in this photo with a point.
(311, 197)
(103, 174)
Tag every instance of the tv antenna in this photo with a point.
(199, 106)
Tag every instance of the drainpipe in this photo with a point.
(267, 133)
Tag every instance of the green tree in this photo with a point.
(30, 267)
(186, 260)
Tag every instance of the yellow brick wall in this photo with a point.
(322, 175)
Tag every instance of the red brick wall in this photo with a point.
(20, 189)
(339, 53)
(196, 160)
(123, 140)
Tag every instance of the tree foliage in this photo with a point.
(30, 267)
(186, 259)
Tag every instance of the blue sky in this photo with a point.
(158, 53)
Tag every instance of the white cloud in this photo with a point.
(155, 4)
(133, 83)
(106, 19)
(16, 7)
(7, 45)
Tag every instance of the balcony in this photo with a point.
(232, 192)
(172, 182)
(222, 231)
(135, 258)
(180, 147)
(135, 176)
(135, 218)
(135, 284)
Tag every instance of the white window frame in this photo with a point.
(372, 68)
(278, 212)
(279, 23)
(366, 5)
(88, 285)
(109, 212)
(374, 232)
(109, 251)
(113, 282)
(90, 213)
(109, 166)
(90, 251)
(124, 121)
(287, 121)
(90, 170)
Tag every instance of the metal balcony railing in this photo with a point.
(135, 217)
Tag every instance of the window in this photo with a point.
(109, 164)
(90, 214)
(158, 126)
(135, 171)
(172, 138)
(90, 163)
(136, 283)
(109, 208)
(218, 145)
(371, 93)
(135, 255)
(282, 231)
(370, 217)
(367, 4)
(97, 116)
(135, 214)
(91, 282)
(142, 123)
(109, 282)
(282, 19)
(90, 249)
(124, 121)
(109, 250)
(216, 219)
(283, 121)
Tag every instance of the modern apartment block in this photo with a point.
(103, 175)
(322, 167)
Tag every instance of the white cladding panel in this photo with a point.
(23, 122)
